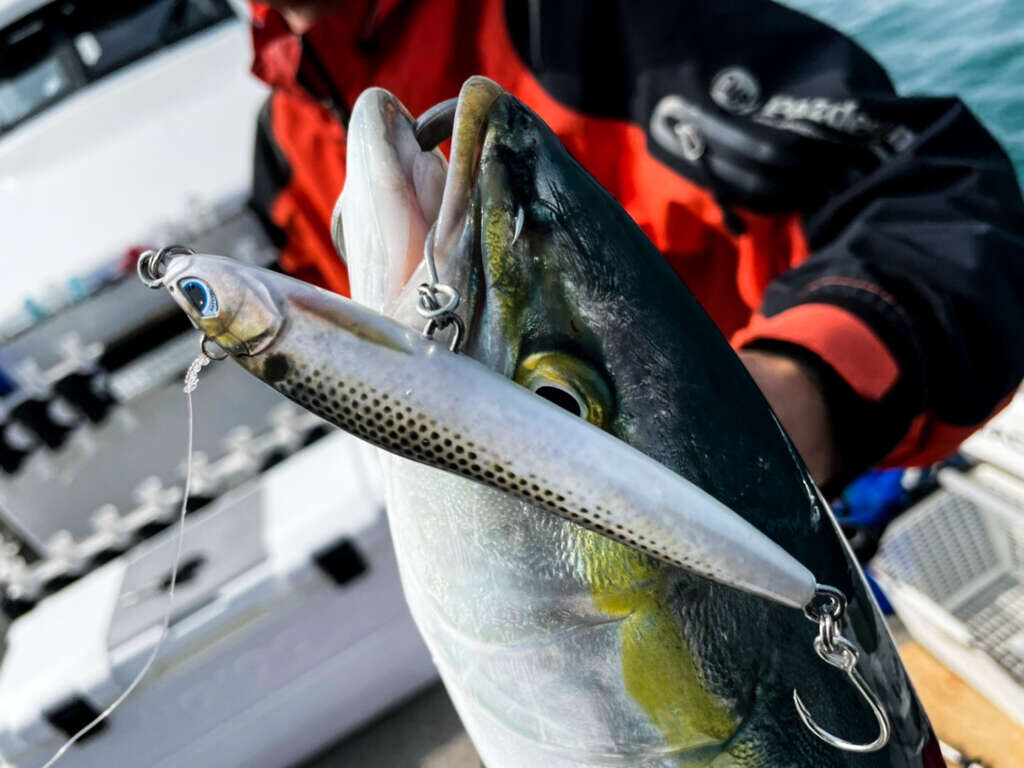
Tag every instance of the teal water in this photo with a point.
(970, 48)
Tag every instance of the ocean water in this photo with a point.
(970, 48)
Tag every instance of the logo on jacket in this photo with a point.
(674, 125)
(735, 90)
(686, 130)
(844, 116)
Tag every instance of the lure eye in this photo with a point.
(200, 295)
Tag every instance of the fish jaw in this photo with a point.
(477, 98)
(392, 195)
(397, 195)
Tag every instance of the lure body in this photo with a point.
(402, 392)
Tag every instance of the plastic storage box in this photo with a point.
(289, 630)
(953, 568)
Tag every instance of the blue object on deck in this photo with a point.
(6, 384)
(872, 499)
(876, 590)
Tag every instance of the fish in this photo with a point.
(585, 361)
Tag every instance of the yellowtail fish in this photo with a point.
(604, 535)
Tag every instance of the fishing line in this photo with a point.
(191, 382)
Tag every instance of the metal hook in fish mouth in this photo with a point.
(435, 125)
(151, 266)
(827, 611)
(438, 301)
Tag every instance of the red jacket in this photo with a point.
(810, 210)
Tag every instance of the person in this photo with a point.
(864, 252)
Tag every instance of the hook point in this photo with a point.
(849, 667)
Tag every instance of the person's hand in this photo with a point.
(798, 402)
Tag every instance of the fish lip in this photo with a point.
(486, 189)
(444, 206)
(476, 99)
(456, 231)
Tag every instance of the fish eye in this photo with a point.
(565, 398)
(570, 383)
(200, 295)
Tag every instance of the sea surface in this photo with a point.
(970, 48)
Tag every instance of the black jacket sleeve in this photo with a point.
(927, 247)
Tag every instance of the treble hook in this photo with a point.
(837, 651)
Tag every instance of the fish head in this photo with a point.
(574, 642)
(226, 301)
(559, 289)
(561, 284)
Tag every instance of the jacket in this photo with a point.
(809, 208)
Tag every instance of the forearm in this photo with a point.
(799, 403)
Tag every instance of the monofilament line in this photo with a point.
(191, 381)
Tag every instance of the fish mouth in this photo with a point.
(456, 241)
(401, 181)
(469, 131)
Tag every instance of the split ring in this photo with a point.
(215, 358)
(151, 267)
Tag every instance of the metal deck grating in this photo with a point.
(942, 549)
(997, 626)
(969, 562)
